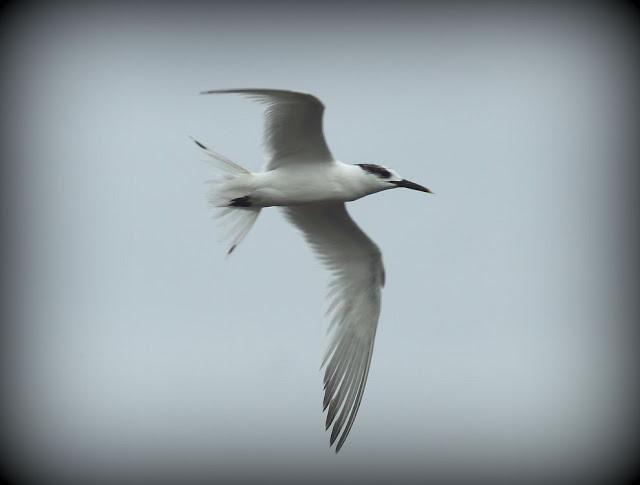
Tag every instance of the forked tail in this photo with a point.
(228, 191)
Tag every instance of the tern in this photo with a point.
(304, 179)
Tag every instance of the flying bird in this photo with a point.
(304, 179)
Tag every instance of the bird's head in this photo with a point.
(384, 178)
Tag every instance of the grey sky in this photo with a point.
(503, 346)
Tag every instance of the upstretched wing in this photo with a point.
(293, 126)
(354, 306)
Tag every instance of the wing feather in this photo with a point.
(293, 125)
(354, 306)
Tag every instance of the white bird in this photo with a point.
(311, 186)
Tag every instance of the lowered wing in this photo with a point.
(354, 306)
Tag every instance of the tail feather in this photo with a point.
(237, 221)
(240, 222)
(220, 161)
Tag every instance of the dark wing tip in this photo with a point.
(334, 434)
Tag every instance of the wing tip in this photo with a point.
(262, 91)
(334, 434)
(341, 442)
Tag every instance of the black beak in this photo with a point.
(411, 185)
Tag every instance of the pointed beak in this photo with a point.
(411, 185)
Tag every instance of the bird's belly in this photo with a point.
(292, 190)
(267, 197)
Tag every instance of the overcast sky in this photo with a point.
(504, 343)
